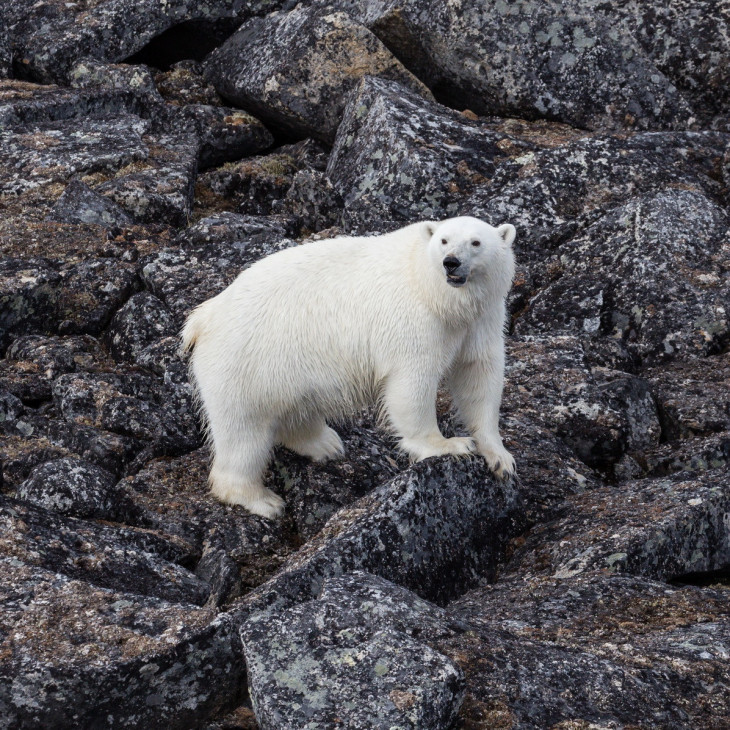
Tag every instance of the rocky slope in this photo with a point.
(150, 151)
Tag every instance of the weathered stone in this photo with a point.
(76, 488)
(124, 77)
(650, 274)
(312, 200)
(435, 528)
(120, 558)
(593, 650)
(656, 528)
(211, 255)
(256, 185)
(74, 655)
(295, 659)
(295, 69)
(185, 84)
(80, 204)
(530, 60)
(239, 551)
(399, 158)
(143, 320)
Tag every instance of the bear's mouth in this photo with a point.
(456, 280)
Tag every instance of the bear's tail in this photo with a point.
(192, 329)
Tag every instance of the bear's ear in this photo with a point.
(507, 233)
(430, 227)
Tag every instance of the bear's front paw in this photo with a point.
(438, 446)
(499, 460)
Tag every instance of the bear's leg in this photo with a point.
(241, 453)
(314, 439)
(410, 404)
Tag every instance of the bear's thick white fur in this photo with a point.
(316, 331)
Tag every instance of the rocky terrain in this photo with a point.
(151, 150)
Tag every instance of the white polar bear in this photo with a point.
(316, 331)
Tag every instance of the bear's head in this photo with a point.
(467, 250)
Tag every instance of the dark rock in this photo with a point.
(649, 273)
(435, 528)
(210, 256)
(239, 551)
(295, 69)
(119, 558)
(399, 158)
(143, 320)
(591, 650)
(80, 204)
(313, 201)
(66, 297)
(76, 655)
(533, 60)
(600, 413)
(256, 185)
(226, 134)
(656, 528)
(76, 488)
(295, 660)
(114, 30)
(185, 84)
(136, 79)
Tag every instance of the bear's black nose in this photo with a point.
(451, 264)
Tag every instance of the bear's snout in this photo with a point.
(451, 264)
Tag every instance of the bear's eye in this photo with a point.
(443, 241)
(476, 243)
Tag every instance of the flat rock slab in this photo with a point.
(76, 655)
(350, 659)
(294, 69)
(595, 649)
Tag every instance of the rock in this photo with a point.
(210, 256)
(418, 530)
(591, 650)
(76, 488)
(533, 60)
(78, 655)
(114, 30)
(399, 158)
(294, 69)
(137, 79)
(656, 528)
(649, 274)
(185, 84)
(120, 558)
(312, 200)
(238, 550)
(599, 412)
(80, 204)
(295, 658)
(142, 321)
(255, 185)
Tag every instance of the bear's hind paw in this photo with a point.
(499, 461)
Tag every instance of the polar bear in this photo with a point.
(316, 331)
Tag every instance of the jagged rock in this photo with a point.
(66, 297)
(76, 488)
(80, 204)
(158, 416)
(137, 79)
(656, 528)
(532, 60)
(600, 413)
(210, 256)
(650, 273)
(295, 660)
(78, 655)
(238, 550)
(255, 185)
(143, 320)
(399, 158)
(295, 69)
(120, 558)
(185, 84)
(313, 200)
(114, 30)
(595, 650)
(226, 134)
(434, 528)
